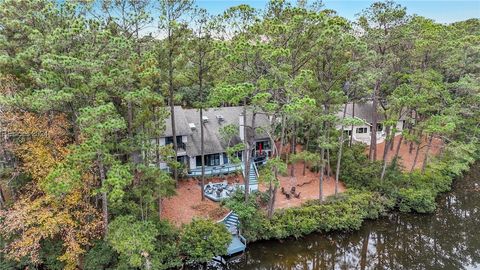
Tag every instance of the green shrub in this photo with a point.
(252, 221)
(418, 200)
(356, 169)
(344, 213)
(202, 239)
(100, 256)
(134, 240)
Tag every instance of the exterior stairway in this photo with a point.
(239, 243)
(253, 176)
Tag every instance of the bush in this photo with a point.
(357, 171)
(134, 240)
(100, 256)
(418, 200)
(346, 212)
(202, 239)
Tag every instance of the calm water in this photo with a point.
(448, 239)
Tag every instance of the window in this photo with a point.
(264, 145)
(379, 127)
(240, 155)
(362, 130)
(225, 158)
(213, 160)
(169, 140)
(348, 132)
(210, 160)
(198, 161)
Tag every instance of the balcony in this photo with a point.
(215, 170)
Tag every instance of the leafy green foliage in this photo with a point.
(418, 200)
(100, 256)
(133, 240)
(201, 240)
(346, 212)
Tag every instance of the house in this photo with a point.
(187, 124)
(363, 111)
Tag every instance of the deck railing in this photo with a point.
(256, 170)
(225, 217)
(216, 170)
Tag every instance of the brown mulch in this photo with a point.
(407, 158)
(187, 203)
(307, 185)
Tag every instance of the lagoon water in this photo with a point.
(447, 239)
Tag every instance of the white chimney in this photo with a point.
(241, 127)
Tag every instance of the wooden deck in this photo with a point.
(215, 170)
(238, 243)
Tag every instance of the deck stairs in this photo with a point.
(253, 176)
(239, 243)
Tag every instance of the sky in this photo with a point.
(442, 11)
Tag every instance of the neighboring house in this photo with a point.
(363, 111)
(187, 123)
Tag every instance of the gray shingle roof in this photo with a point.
(213, 140)
(181, 124)
(363, 111)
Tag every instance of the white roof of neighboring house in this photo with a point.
(364, 111)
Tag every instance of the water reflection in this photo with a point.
(449, 239)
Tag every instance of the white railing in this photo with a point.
(225, 217)
(256, 170)
(216, 170)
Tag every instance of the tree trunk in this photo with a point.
(410, 130)
(304, 161)
(329, 168)
(372, 154)
(293, 149)
(159, 161)
(271, 205)
(353, 116)
(388, 139)
(202, 152)
(321, 173)
(340, 149)
(416, 157)
(134, 154)
(392, 141)
(2, 198)
(282, 136)
(101, 170)
(397, 151)
(425, 159)
(171, 100)
(202, 132)
(246, 154)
